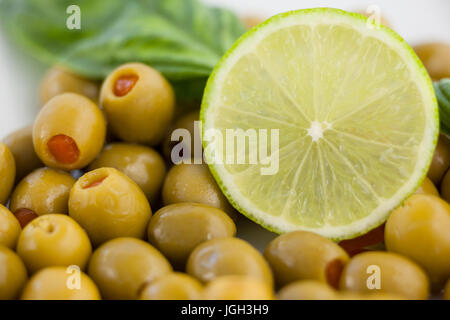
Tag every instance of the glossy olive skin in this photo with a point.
(185, 122)
(419, 230)
(436, 58)
(441, 160)
(52, 283)
(58, 80)
(116, 207)
(143, 115)
(445, 187)
(427, 187)
(178, 228)
(227, 256)
(20, 143)
(173, 286)
(143, 165)
(194, 183)
(14, 274)
(302, 255)
(74, 116)
(43, 191)
(237, 287)
(307, 290)
(9, 228)
(447, 290)
(7, 173)
(121, 267)
(397, 274)
(53, 240)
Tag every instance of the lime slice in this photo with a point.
(356, 114)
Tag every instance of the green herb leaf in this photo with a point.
(442, 90)
(184, 39)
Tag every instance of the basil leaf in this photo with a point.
(442, 91)
(183, 39)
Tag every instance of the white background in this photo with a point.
(416, 21)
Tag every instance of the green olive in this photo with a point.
(441, 160)
(60, 283)
(447, 290)
(53, 240)
(178, 228)
(108, 204)
(9, 228)
(143, 165)
(227, 256)
(194, 183)
(123, 266)
(58, 80)
(69, 132)
(138, 102)
(307, 290)
(427, 187)
(237, 287)
(183, 149)
(13, 274)
(436, 58)
(173, 286)
(445, 187)
(7, 172)
(302, 255)
(419, 230)
(384, 272)
(43, 191)
(20, 143)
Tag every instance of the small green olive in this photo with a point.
(227, 256)
(419, 230)
(53, 240)
(174, 286)
(142, 164)
(237, 287)
(20, 143)
(436, 58)
(427, 187)
(441, 160)
(384, 272)
(307, 290)
(9, 228)
(178, 228)
(138, 102)
(108, 204)
(186, 122)
(13, 274)
(123, 266)
(194, 183)
(43, 191)
(58, 80)
(69, 132)
(7, 172)
(302, 255)
(60, 283)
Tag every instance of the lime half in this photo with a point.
(356, 117)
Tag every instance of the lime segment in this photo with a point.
(356, 114)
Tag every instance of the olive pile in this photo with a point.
(79, 187)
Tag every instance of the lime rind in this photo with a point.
(319, 15)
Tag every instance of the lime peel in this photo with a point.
(240, 194)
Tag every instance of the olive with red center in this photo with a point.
(108, 204)
(133, 96)
(69, 132)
